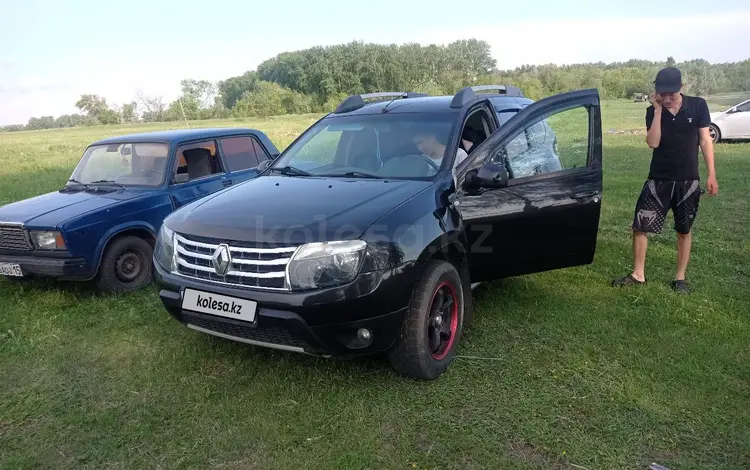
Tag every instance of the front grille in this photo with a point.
(249, 267)
(13, 238)
(272, 335)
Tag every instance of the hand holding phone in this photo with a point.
(655, 100)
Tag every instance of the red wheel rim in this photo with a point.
(442, 320)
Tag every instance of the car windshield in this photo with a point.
(128, 164)
(403, 145)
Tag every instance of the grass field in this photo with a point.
(558, 371)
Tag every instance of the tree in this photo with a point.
(154, 106)
(232, 89)
(200, 91)
(97, 108)
(129, 112)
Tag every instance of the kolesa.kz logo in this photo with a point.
(216, 305)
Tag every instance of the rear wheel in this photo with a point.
(126, 265)
(432, 328)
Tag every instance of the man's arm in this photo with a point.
(707, 149)
(653, 122)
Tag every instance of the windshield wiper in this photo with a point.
(73, 180)
(356, 174)
(107, 182)
(291, 171)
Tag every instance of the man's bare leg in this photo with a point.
(638, 276)
(640, 244)
(684, 241)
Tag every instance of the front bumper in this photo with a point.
(62, 268)
(323, 322)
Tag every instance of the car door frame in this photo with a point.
(245, 173)
(220, 176)
(463, 116)
(584, 185)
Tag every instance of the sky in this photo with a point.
(51, 52)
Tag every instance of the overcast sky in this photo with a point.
(51, 52)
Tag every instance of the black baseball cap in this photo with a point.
(668, 80)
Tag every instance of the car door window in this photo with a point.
(198, 160)
(504, 115)
(549, 144)
(744, 108)
(242, 152)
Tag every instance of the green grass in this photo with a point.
(558, 371)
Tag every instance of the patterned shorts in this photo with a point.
(658, 196)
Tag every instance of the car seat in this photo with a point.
(198, 162)
(364, 150)
(472, 135)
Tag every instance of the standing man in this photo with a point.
(676, 126)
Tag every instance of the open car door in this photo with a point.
(530, 195)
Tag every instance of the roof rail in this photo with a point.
(357, 101)
(467, 94)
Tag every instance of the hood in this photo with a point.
(715, 116)
(292, 210)
(52, 209)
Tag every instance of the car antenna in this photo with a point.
(385, 109)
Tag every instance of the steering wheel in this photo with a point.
(424, 159)
(152, 170)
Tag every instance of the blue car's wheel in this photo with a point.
(126, 265)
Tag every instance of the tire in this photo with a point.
(126, 265)
(412, 354)
(715, 133)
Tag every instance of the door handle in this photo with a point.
(584, 195)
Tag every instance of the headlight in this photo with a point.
(164, 251)
(327, 264)
(47, 240)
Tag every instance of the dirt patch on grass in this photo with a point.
(638, 131)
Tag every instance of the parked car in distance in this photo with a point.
(734, 123)
(370, 240)
(103, 224)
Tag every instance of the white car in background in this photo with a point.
(734, 123)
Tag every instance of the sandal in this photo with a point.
(681, 287)
(626, 281)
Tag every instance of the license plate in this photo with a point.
(7, 269)
(222, 305)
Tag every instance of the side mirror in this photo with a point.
(181, 178)
(489, 175)
(263, 165)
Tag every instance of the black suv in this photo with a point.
(364, 237)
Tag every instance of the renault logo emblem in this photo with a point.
(221, 259)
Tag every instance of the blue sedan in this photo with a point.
(103, 224)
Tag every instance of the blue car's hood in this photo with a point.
(282, 210)
(52, 209)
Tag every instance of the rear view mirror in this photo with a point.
(125, 151)
(181, 178)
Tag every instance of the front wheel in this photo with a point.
(126, 265)
(715, 133)
(429, 336)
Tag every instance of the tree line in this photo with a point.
(316, 79)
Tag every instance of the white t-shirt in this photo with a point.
(461, 155)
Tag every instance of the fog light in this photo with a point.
(364, 335)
